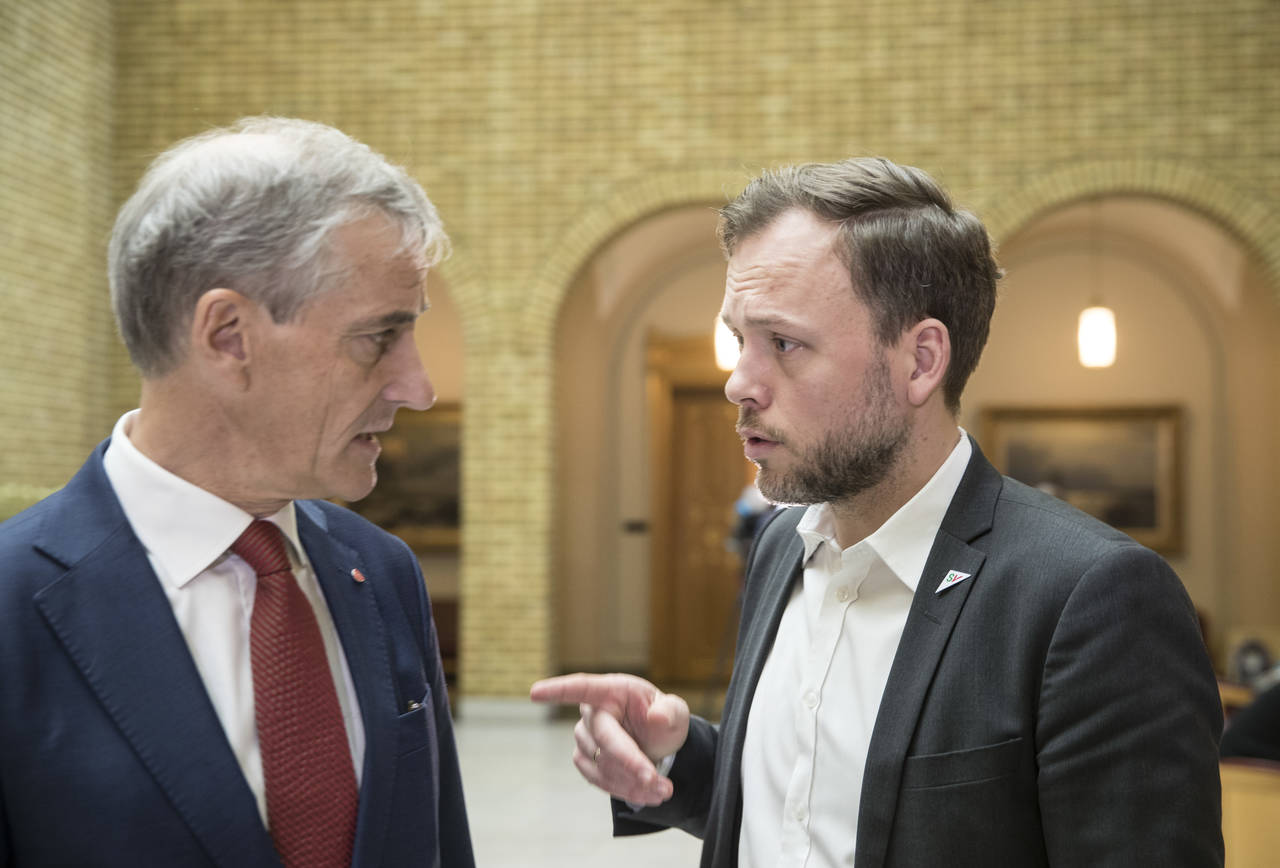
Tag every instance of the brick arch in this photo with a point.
(506, 590)
(627, 204)
(1249, 218)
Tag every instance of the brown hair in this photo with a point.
(911, 254)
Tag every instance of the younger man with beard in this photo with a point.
(936, 665)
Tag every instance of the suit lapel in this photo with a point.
(924, 639)
(115, 623)
(763, 606)
(765, 611)
(363, 635)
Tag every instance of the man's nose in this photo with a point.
(746, 384)
(411, 387)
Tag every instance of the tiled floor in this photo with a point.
(530, 809)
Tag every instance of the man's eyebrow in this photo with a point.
(764, 321)
(388, 320)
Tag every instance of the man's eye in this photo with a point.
(382, 340)
(783, 345)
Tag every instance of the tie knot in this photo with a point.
(262, 547)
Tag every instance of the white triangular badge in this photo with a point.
(953, 577)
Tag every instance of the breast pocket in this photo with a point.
(956, 768)
(416, 727)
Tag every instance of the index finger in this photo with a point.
(583, 687)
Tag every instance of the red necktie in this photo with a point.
(306, 760)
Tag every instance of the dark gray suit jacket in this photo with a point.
(1056, 708)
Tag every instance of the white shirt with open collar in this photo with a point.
(816, 703)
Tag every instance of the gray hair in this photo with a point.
(911, 254)
(250, 207)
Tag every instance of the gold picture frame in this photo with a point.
(1122, 465)
(418, 495)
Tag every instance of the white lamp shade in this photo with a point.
(726, 347)
(1096, 337)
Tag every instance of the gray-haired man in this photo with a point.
(203, 662)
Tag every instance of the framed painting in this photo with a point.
(1119, 464)
(418, 494)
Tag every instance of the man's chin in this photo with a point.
(354, 490)
(778, 490)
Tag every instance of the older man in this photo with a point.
(202, 662)
(936, 665)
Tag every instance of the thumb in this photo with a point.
(667, 719)
(660, 714)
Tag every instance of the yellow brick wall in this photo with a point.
(56, 87)
(542, 127)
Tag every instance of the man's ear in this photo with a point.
(929, 344)
(220, 332)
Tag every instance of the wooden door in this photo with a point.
(696, 578)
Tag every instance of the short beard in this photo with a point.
(848, 461)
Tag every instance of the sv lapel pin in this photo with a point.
(953, 577)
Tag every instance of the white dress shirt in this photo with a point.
(815, 706)
(187, 533)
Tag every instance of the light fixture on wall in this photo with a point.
(727, 351)
(1096, 337)
(1096, 331)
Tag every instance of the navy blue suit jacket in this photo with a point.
(110, 751)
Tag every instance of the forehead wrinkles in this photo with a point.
(782, 271)
(749, 303)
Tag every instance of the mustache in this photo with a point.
(749, 419)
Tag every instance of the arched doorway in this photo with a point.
(1194, 314)
(658, 283)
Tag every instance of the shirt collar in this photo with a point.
(184, 528)
(904, 541)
